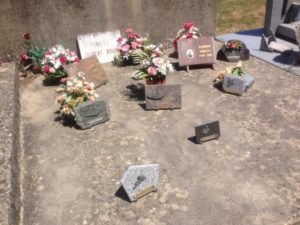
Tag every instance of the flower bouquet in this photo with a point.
(154, 70)
(54, 59)
(128, 44)
(30, 60)
(74, 91)
(235, 50)
(188, 31)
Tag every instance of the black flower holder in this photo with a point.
(235, 50)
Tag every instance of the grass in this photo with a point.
(238, 15)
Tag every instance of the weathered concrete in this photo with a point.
(59, 21)
(9, 145)
(251, 176)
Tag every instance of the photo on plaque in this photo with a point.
(207, 132)
(196, 51)
(140, 180)
(91, 113)
(163, 97)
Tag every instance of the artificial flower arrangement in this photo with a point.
(188, 31)
(153, 68)
(237, 70)
(54, 59)
(235, 50)
(32, 56)
(128, 44)
(75, 90)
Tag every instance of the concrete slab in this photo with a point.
(250, 176)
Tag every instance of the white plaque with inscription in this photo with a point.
(102, 44)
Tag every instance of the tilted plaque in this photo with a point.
(207, 132)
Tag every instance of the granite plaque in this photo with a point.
(138, 181)
(233, 84)
(91, 113)
(163, 96)
(103, 45)
(92, 70)
(196, 51)
(207, 132)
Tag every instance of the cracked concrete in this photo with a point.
(250, 176)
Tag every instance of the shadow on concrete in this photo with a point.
(193, 67)
(49, 83)
(173, 55)
(122, 194)
(192, 139)
(221, 56)
(135, 92)
(66, 122)
(286, 58)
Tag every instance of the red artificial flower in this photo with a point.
(27, 36)
(77, 60)
(47, 53)
(175, 42)
(188, 25)
(131, 36)
(24, 57)
(63, 59)
(46, 69)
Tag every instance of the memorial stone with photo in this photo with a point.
(207, 132)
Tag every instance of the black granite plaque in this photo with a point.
(207, 132)
(233, 84)
(163, 96)
(91, 113)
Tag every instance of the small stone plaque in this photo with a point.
(163, 96)
(92, 70)
(138, 181)
(248, 81)
(207, 132)
(196, 51)
(91, 113)
(103, 45)
(233, 84)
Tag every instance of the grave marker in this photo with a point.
(103, 45)
(207, 132)
(233, 84)
(163, 97)
(91, 113)
(138, 181)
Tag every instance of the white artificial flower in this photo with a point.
(158, 61)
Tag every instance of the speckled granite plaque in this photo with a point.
(207, 132)
(140, 180)
(91, 113)
(233, 84)
(163, 97)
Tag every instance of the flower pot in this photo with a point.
(157, 81)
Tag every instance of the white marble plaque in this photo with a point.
(102, 44)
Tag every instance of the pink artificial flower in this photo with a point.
(27, 36)
(129, 30)
(125, 48)
(47, 53)
(188, 25)
(63, 59)
(135, 45)
(77, 60)
(52, 70)
(158, 61)
(189, 35)
(152, 71)
(46, 69)
(119, 40)
(132, 36)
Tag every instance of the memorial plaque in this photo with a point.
(138, 181)
(248, 81)
(163, 96)
(233, 84)
(91, 113)
(196, 51)
(207, 132)
(91, 68)
(102, 45)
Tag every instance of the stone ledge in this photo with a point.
(9, 145)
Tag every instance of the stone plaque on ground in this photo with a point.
(233, 84)
(138, 181)
(91, 68)
(248, 81)
(207, 132)
(103, 45)
(196, 51)
(91, 113)
(163, 96)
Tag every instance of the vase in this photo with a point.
(156, 81)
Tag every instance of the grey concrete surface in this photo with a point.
(60, 21)
(9, 145)
(250, 176)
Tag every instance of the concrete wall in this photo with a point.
(59, 21)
